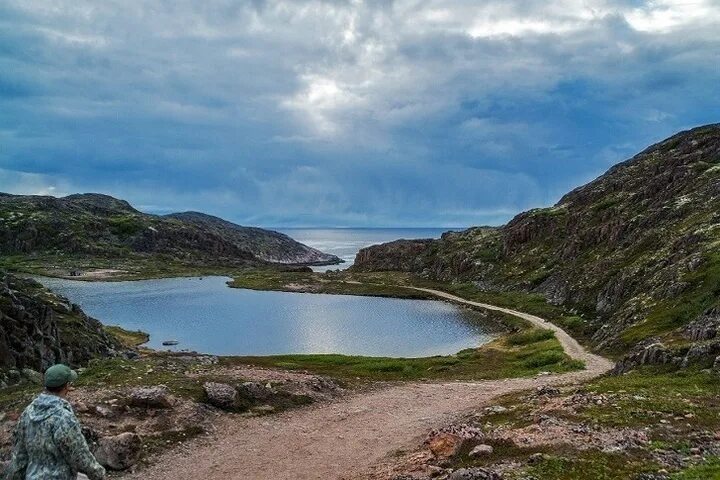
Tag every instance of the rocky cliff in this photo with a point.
(634, 251)
(39, 328)
(103, 226)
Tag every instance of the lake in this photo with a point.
(207, 316)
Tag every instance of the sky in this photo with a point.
(345, 113)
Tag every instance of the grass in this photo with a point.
(709, 470)
(496, 360)
(127, 338)
(589, 464)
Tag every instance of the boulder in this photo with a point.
(150, 397)
(445, 445)
(474, 474)
(481, 450)
(254, 391)
(221, 395)
(119, 452)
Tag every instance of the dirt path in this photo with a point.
(345, 438)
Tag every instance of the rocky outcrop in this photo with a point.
(627, 247)
(39, 328)
(103, 226)
(400, 255)
(650, 352)
(705, 327)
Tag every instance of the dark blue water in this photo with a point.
(207, 316)
(346, 242)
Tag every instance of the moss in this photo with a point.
(590, 464)
(708, 470)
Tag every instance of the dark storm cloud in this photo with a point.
(344, 113)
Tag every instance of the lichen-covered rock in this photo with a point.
(150, 397)
(702, 352)
(118, 452)
(221, 395)
(705, 327)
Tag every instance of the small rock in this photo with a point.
(546, 390)
(495, 409)
(119, 452)
(263, 409)
(104, 412)
(481, 451)
(474, 474)
(536, 458)
(151, 397)
(221, 395)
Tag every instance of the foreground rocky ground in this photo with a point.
(132, 409)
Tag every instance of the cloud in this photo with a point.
(345, 112)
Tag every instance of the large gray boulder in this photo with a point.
(119, 452)
(151, 397)
(221, 395)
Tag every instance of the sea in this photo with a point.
(346, 242)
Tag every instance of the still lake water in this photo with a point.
(207, 316)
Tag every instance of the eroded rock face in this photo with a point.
(39, 328)
(705, 327)
(650, 352)
(118, 452)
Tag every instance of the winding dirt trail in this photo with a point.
(345, 438)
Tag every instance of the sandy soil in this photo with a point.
(346, 438)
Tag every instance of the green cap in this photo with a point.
(59, 375)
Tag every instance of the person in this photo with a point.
(49, 444)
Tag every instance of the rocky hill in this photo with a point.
(39, 329)
(102, 226)
(634, 251)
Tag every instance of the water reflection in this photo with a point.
(207, 316)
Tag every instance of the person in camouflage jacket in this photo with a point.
(49, 444)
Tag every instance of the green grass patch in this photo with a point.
(127, 338)
(529, 336)
(709, 470)
(590, 464)
(495, 360)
